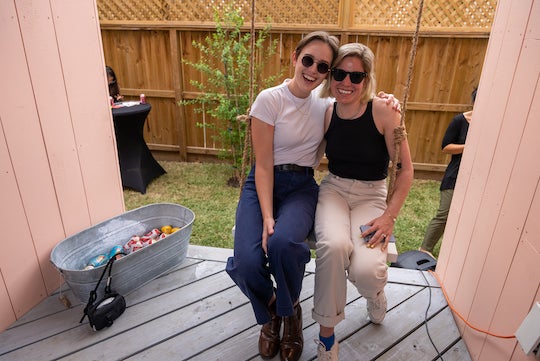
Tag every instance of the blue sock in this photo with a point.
(328, 341)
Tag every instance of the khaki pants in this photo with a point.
(437, 224)
(343, 205)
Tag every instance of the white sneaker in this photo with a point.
(324, 355)
(376, 308)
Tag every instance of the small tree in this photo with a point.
(226, 62)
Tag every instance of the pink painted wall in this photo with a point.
(58, 163)
(490, 255)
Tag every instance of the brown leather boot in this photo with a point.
(269, 337)
(292, 343)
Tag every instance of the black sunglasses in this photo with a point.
(308, 61)
(355, 76)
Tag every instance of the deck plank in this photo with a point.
(417, 345)
(195, 312)
(231, 323)
(62, 331)
(370, 342)
(51, 305)
(177, 326)
(244, 345)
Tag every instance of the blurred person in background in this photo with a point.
(114, 89)
(453, 143)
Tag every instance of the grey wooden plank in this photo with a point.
(209, 253)
(223, 328)
(81, 336)
(244, 346)
(15, 338)
(417, 345)
(47, 307)
(458, 352)
(60, 321)
(173, 280)
(411, 277)
(370, 342)
(174, 325)
(221, 255)
(204, 336)
(52, 304)
(212, 320)
(356, 317)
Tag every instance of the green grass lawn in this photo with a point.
(202, 187)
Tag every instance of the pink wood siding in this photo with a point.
(59, 168)
(490, 257)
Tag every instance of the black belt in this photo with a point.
(293, 168)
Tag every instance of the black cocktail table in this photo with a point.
(137, 164)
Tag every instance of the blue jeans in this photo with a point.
(295, 200)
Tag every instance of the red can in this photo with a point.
(133, 244)
(143, 99)
(146, 240)
(154, 233)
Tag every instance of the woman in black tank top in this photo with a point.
(359, 144)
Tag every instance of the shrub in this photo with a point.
(225, 64)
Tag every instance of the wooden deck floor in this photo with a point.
(195, 312)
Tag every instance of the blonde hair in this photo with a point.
(367, 58)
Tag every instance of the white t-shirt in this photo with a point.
(298, 123)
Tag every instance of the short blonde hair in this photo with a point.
(367, 58)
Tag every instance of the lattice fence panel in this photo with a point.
(362, 14)
(309, 12)
(402, 14)
(279, 12)
(204, 11)
(133, 10)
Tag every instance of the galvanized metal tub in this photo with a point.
(130, 272)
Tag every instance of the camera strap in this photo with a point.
(93, 294)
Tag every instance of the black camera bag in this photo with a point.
(101, 313)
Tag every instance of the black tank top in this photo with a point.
(355, 148)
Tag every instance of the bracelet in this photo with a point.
(392, 217)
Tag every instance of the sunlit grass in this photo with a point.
(202, 187)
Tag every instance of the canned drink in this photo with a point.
(114, 252)
(146, 240)
(143, 99)
(134, 244)
(153, 233)
(166, 229)
(98, 260)
(152, 241)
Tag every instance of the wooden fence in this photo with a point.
(146, 42)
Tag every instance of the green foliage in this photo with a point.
(420, 206)
(225, 63)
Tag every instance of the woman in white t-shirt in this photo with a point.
(276, 209)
